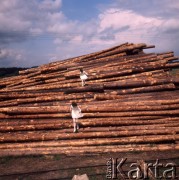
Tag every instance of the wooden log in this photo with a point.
(16, 95)
(163, 53)
(31, 70)
(55, 103)
(62, 85)
(145, 74)
(79, 58)
(94, 88)
(168, 125)
(8, 80)
(61, 125)
(131, 77)
(164, 95)
(120, 50)
(98, 111)
(172, 65)
(92, 142)
(141, 98)
(46, 87)
(128, 71)
(21, 124)
(112, 95)
(161, 87)
(106, 62)
(115, 60)
(136, 69)
(149, 46)
(149, 102)
(129, 47)
(53, 66)
(137, 83)
(128, 67)
(29, 120)
(132, 114)
(87, 150)
(45, 99)
(25, 85)
(89, 108)
(32, 121)
(26, 95)
(118, 58)
(77, 82)
(175, 80)
(49, 76)
(43, 136)
(110, 108)
(108, 122)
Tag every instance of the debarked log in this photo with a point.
(16, 95)
(137, 83)
(92, 142)
(90, 108)
(52, 98)
(89, 149)
(94, 88)
(55, 135)
(138, 90)
(121, 50)
(64, 125)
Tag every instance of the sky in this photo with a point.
(36, 32)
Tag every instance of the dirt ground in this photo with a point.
(65, 167)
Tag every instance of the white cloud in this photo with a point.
(117, 23)
(128, 24)
(10, 55)
(117, 26)
(171, 4)
(21, 21)
(51, 5)
(4, 53)
(32, 17)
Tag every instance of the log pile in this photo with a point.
(130, 103)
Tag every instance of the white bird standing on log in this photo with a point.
(83, 76)
(75, 113)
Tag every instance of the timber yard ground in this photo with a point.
(64, 167)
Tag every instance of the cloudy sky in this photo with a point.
(34, 32)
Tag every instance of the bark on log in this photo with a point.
(16, 95)
(43, 136)
(88, 108)
(138, 90)
(58, 125)
(87, 149)
(45, 99)
(93, 142)
(137, 83)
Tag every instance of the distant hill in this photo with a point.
(13, 71)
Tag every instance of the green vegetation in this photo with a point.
(7, 72)
(175, 72)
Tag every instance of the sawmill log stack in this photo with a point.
(130, 103)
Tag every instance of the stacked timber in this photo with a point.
(130, 103)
